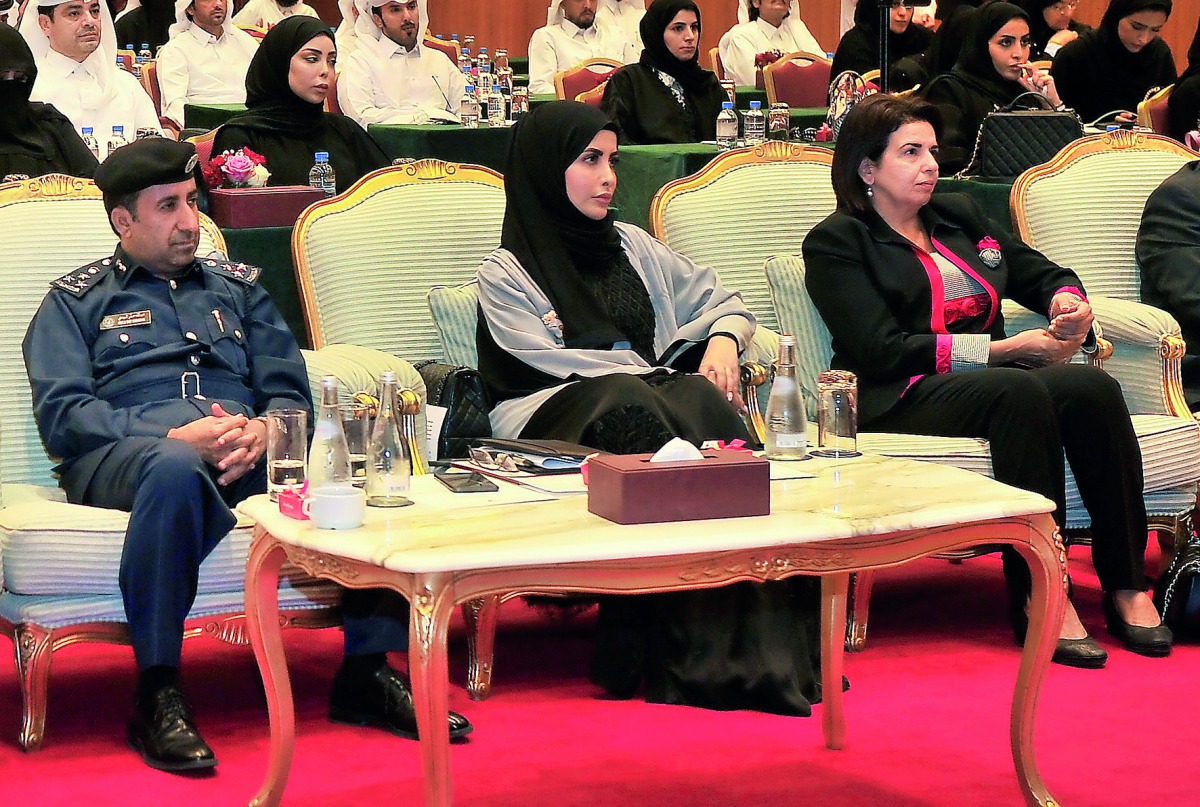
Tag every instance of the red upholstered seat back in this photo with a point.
(584, 79)
(801, 83)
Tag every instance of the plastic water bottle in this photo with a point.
(787, 423)
(497, 107)
(727, 126)
(485, 78)
(144, 57)
(468, 108)
(321, 175)
(91, 142)
(329, 456)
(389, 461)
(117, 140)
(755, 125)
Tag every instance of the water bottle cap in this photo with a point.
(756, 104)
(483, 50)
(129, 46)
(470, 88)
(118, 130)
(145, 46)
(727, 105)
(87, 130)
(322, 156)
(787, 339)
(388, 376)
(454, 37)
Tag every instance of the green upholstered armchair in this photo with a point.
(59, 561)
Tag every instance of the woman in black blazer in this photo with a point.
(910, 288)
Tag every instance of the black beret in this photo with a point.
(146, 162)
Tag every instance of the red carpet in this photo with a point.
(927, 713)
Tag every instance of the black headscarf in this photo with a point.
(1040, 31)
(975, 66)
(1193, 67)
(270, 103)
(17, 125)
(550, 237)
(655, 53)
(1110, 42)
(150, 23)
(949, 39)
(858, 50)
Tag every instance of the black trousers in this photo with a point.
(1030, 418)
(177, 515)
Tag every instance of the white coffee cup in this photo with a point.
(336, 508)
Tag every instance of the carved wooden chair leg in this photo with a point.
(1173, 534)
(33, 651)
(480, 616)
(858, 601)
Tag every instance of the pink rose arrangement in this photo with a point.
(237, 169)
(767, 57)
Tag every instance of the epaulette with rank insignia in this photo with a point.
(82, 279)
(238, 271)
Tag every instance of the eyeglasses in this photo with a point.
(497, 460)
(1065, 6)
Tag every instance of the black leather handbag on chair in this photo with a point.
(1177, 593)
(1012, 140)
(460, 391)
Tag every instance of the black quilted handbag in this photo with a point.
(460, 391)
(1177, 593)
(1012, 140)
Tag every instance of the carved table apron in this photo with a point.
(853, 515)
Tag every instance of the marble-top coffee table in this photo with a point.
(856, 514)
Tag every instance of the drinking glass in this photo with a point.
(287, 450)
(837, 415)
(356, 423)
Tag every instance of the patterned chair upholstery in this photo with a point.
(573, 81)
(1170, 445)
(59, 561)
(799, 79)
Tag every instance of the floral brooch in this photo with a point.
(553, 324)
(989, 251)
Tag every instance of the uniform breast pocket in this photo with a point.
(228, 339)
(119, 345)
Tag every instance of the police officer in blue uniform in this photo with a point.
(150, 371)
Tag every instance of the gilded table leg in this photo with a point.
(833, 641)
(433, 602)
(859, 600)
(266, 635)
(480, 616)
(1047, 563)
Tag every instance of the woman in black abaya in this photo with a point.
(859, 48)
(285, 121)
(592, 331)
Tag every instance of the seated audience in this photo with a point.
(128, 440)
(1183, 104)
(992, 70)
(35, 138)
(573, 34)
(1168, 252)
(594, 332)
(75, 49)
(393, 77)
(145, 22)
(764, 25)
(345, 37)
(859, 48)
(265, 13)
(1052, 24)
(944, 48)
(206, 59)
(666, 96)
(285, 120)
(1113, 67)
(624, 16)
(909, 285)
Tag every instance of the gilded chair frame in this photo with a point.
(796, 56)
(715, 64)
(1145, 109)
(594, 94)
(560, 90)
(35, 645)
(443, 45)
(1171, 348)
(872, 77)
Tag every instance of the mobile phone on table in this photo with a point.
(465, 481)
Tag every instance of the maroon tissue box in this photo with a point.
(239, 208)
(629, 489)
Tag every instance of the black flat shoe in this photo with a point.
(1084, 654)
(1155, 642)
(162, 731)
(382, 699)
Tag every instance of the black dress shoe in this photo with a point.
(384, 699)
(162, 731)
(1085, 653)
(1155, 642)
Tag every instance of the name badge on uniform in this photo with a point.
(128, 319)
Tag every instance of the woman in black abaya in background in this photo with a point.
(1052, 26)
(147, 24)
(1183, 105)
(1113, 67)
(666, 96)
(35, 138)
(859, 48)
(285, 120)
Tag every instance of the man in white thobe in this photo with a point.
(764, 25)
(206, 59)
(75, 48)
(574, 34)
(266, 13)
(393, 77)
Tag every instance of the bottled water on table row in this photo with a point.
(321, 175)
(727, 127)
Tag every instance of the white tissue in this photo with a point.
(677, 450)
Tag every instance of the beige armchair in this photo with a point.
(59, 561)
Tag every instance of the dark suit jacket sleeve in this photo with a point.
(838, 278)
(1168, 249)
